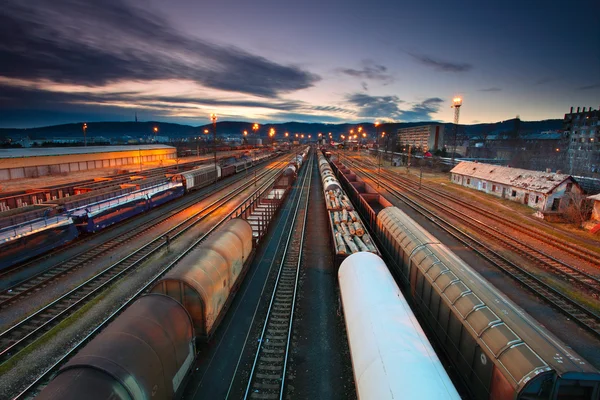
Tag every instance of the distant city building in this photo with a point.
(583, 130)
(425, 137)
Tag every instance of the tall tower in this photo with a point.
(456, 103)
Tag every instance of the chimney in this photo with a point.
(571, 111)
(578, 110)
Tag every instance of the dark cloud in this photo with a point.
(375, 106)
(422, 111)
(442, 65)
(93, 43)
(590, 87)
(492, 89)
(389, 107)
(334, 109)
(300, 117)
(370, 70)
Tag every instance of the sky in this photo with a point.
(324, 61)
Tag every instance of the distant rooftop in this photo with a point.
(62, 151)
(538, 181)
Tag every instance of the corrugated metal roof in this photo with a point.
(61, 151)
(537, 181)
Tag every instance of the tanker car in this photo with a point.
(147, 351)
(391, 356)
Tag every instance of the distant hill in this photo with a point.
(141, 129)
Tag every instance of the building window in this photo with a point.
(493, 188)
(484, 185)
(514, 193)
(569, 187)
(537, 199)
(468, 181)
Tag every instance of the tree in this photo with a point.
(579, 208)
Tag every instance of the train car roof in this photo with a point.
(521, 325)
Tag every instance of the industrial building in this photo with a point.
(583, 130)
(424, 137)
(544, 191)
(44, 161)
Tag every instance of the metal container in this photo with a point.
(204, 279)
(144, 354)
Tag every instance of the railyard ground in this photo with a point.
(521, 212)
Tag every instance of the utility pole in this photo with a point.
(213, 118)
(456, 104)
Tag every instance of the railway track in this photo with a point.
(189, 199)
(36, 386)
(572, 249)
(44, 278)
(571, 308)
(31, 328)
(267, 376)
(542, 259)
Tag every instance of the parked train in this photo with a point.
(497, 349)
(391, 355)
(148, 351)
(96, 216)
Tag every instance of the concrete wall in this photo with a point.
(32, 167)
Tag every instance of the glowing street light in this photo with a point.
(206, 131)
(84, 127)
(213, 118)
(155, 130)
(287, 134)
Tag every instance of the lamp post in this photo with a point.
(84, 127)
(155, 130)
(456, 103)
(255, 130)
(213, 118)
(272, 135)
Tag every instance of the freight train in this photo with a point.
(148, 351)
(497, 349)
(391, 355)
(26, 240)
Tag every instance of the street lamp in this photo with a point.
(155, 130)
(84, 127)
(255, 127)
(272, 135)
(213, 118)
(456, 103)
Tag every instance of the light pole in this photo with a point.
(456, 103)
(155, 130)
(213, 118)
(84, 127)
(255, 130)
(272, 136)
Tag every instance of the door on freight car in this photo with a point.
(189, 298)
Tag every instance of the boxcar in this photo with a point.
(498, 349)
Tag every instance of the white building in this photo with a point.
(544, 191)
(425, 137)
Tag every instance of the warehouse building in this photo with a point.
(36, 162)
(544, 191)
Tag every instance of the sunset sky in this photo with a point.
(309, 61)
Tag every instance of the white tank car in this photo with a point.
(391, 356)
